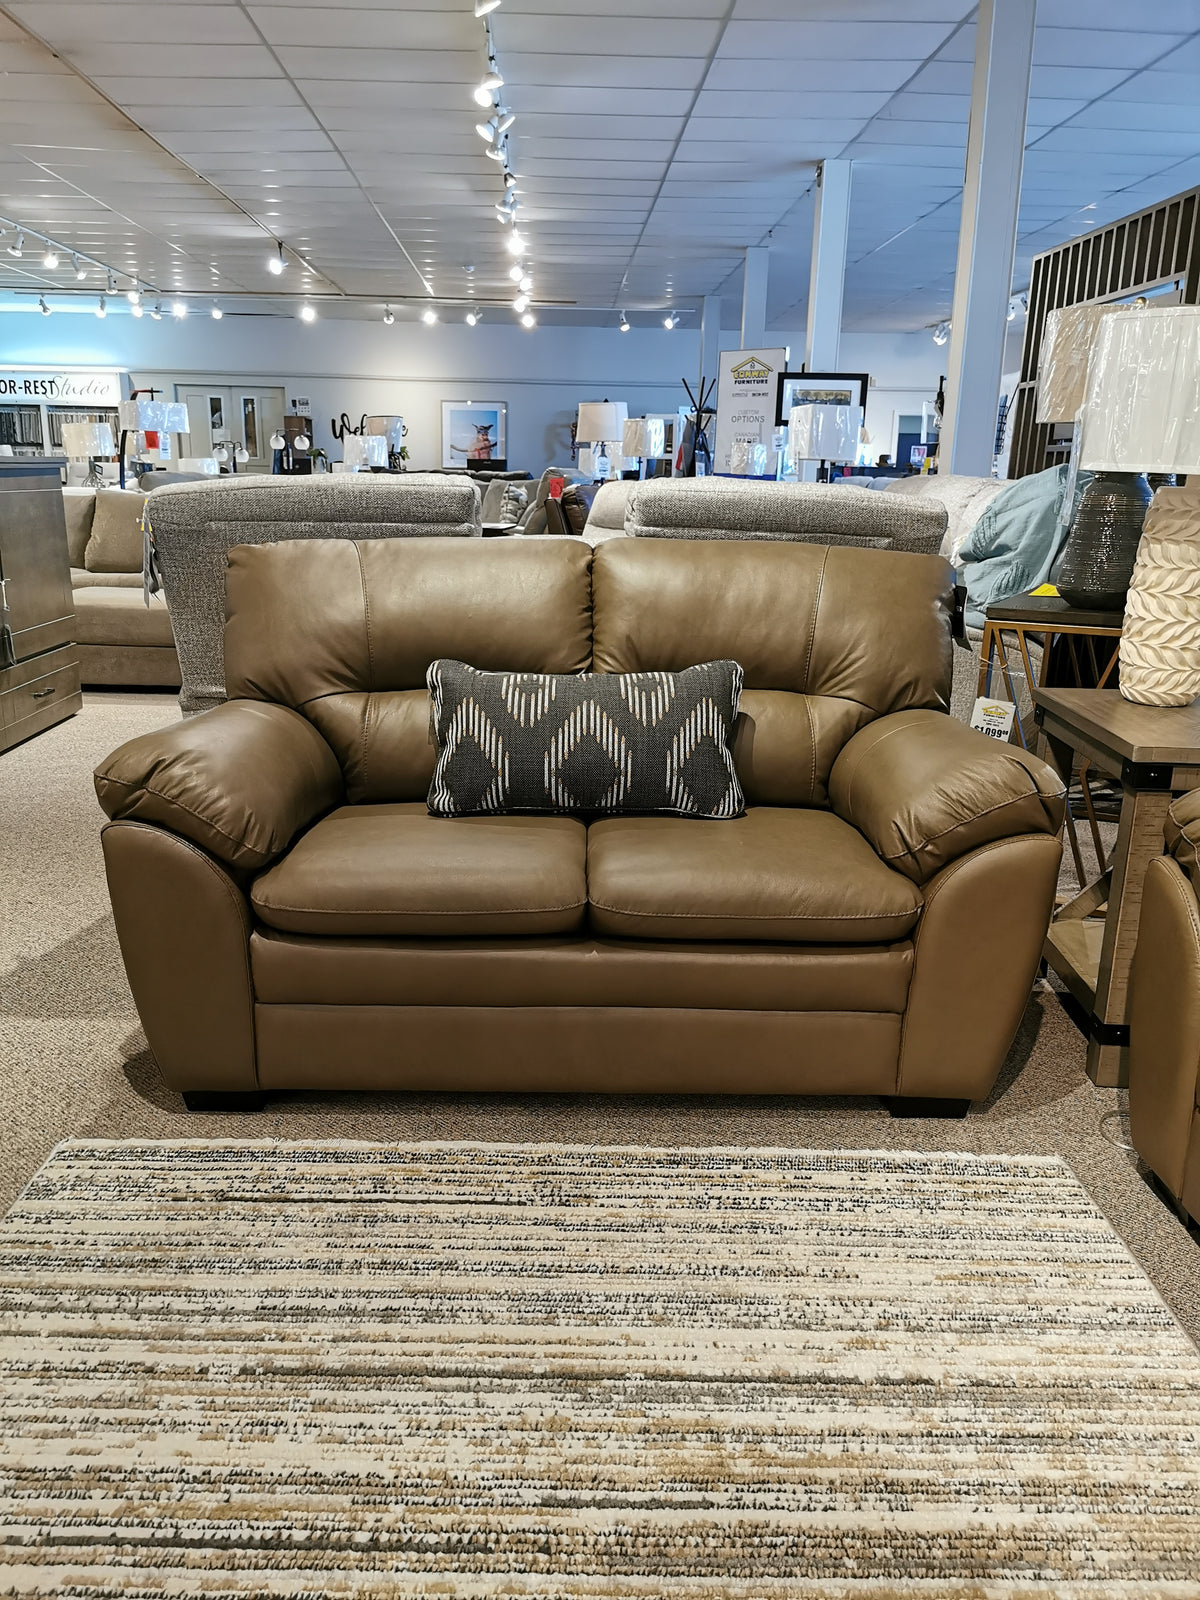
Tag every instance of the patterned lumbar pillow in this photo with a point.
(592, 741)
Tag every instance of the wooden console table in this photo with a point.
(1154, 753)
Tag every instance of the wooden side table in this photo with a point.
(1048, 616)
(1154, 753)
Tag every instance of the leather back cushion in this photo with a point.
(345, 630)
(828, 640)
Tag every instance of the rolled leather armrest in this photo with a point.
(240, 780)
(1183, 834)
(925, 789)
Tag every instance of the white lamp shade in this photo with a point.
(1067, 341)
(633, 442)
(1141, 410)
(365, 450)
(153, 416)
(601, 420)
(824, 433)
(88, 439)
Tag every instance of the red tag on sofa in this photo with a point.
(556, 488)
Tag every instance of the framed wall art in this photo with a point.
(819, 389)
(475, 433)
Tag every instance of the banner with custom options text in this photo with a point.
(747, 389)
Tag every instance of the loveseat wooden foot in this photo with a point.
(208, 1100)
(918, 1105)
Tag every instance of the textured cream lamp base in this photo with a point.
(1160, 642)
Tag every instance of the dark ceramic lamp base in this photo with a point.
(1101, 549)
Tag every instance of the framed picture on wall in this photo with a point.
(475, 433)
(820, 389)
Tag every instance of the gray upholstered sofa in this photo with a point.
(193, 525)
(120, 639)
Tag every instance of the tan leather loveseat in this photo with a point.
(291, 917)
(1164, 1014)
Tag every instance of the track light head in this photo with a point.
(516, 273)
(496, 152)
(525, 284)
(624, 324)
(389, 316)
(429, 316)
(487, 86)
(276, 263)
(308, 313)
(80, 269)
(515, 244)
(42, 306)
(216, 313)
(471, 318)
(50, 259)
(178, 309)
(137, 310)
(17, 247)
(941, 333)
(112, 285)
(529, 320)
(156, 311)
(510, 180)
(669, 320)
(133, 294)
(504, 119)
(521, 303)
(487, 130)
(102, 308)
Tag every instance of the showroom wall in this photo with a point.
(354, 366)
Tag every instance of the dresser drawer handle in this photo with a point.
(40, 694)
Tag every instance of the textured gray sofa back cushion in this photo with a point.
(195, 524)
(812, 513)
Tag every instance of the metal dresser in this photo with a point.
(39, 670)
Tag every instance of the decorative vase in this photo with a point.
(1160, 642)
(1100, 552)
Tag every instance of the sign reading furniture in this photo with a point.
(61, 388)
(746, 387)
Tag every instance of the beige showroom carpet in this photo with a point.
(73, 1061)
(309, 1369)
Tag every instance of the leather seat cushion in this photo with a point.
(394, 869)
(775, 874)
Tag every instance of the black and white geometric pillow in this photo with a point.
(599, 742)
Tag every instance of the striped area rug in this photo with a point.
(314, 1370)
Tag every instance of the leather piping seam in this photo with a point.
(812, 622)
(978, 816)
(392, 911)
(242, 846)
(755, 916)
(241, 908)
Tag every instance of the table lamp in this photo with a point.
(823, 433)
(1141, 413)
(643, 439)
(601, 423)
(89, 440)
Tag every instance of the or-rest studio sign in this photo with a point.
(60, 388)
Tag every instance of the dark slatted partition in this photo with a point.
(1129, 257)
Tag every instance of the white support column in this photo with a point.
(754, 298)
(988, 235)
(710, 335)
(827, 280)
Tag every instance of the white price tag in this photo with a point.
(993, 717)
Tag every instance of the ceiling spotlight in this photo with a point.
(308, 313)
(504, 119)
(529, 320)
(515, 245)
(102, 308)
(521, 303)
(471, 318)
(496, 152)
(429, 316)
(156, 311)
(178, 309)
(488, 130)
(488, 84)
(50, 259)
(516, 273)
(80, 269)
(276, 263)
(482, 7)
(624, 323)
(137, 310)
(525, 284)
(18, 244)
(389, 316)
(510, 180)
(42, 306)
(216, 313)
(669, 320)
(941, 333)
(112, 285)
(133, 295)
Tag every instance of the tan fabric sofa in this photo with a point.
(120, 639)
